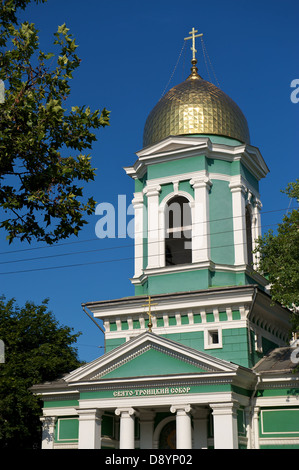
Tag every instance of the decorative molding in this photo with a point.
(272, 441)
(184, 409)
(146, 348)
(179, 147)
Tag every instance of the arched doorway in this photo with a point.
(167, 438)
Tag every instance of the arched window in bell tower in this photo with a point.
(248, 222)
(178, 233)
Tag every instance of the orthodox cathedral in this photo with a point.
(200, 356)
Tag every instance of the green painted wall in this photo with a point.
(249, 177)
(178, 282)
(177, 167)
(234, 341)
(67, 430)
(165, 190)
(207, 388)
(288, 392)
(279, 422)
(219, 166)
(108, 426)
(221, 223)
(140, 183)
(278, 447)
(60, 403)
(218, 139)
(186, 186)
(145, 236)
(113, 343)
(191, 281)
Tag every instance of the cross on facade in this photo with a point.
(193, 36)
(149, 305)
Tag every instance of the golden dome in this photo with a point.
(195, 107)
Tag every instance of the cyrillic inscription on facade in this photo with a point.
(151, 391)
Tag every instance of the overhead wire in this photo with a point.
(173, 72)
(211, 65)
(117, 260)
(132, 245)
(97, 238)
(112, 248)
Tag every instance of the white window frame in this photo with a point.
(208, 344)
(162, 228)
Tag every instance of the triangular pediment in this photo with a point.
(172, 144)
(150, 355)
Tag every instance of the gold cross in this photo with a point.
(149, 305)
(193, 36)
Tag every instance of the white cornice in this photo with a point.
(191, 299)
(173, 148)
(214, 267)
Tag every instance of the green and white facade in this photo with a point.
(208, 374)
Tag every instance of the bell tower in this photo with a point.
(197, 202)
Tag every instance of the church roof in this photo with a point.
(145, 358)
(278, 361)
(195, 106)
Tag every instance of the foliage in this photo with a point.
(280, 257)
(37, 349)
(40, 193)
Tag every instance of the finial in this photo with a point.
(194, 69)
(149, 305)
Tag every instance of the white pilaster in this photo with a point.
(183, 426)
(152, 193)
(255, 426)
(90, 427)
(48, 429)
(200, 428)
(225, 425)
(138, 231)
(238, 191)
(146, 430)
(256, 229)
(126, 430)
(200, 219)
(248, 425)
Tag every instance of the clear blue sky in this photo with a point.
(129, 50)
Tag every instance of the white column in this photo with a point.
(200, 219)
(225, 425)
(152, 193)
(138, 232)
(255, 426)
(48, 430)
(256, 229)
(127, 427)
(238, 191)
(90, 427)
(146, 430)
(183, 426)
(248, 427)
(200, 428)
